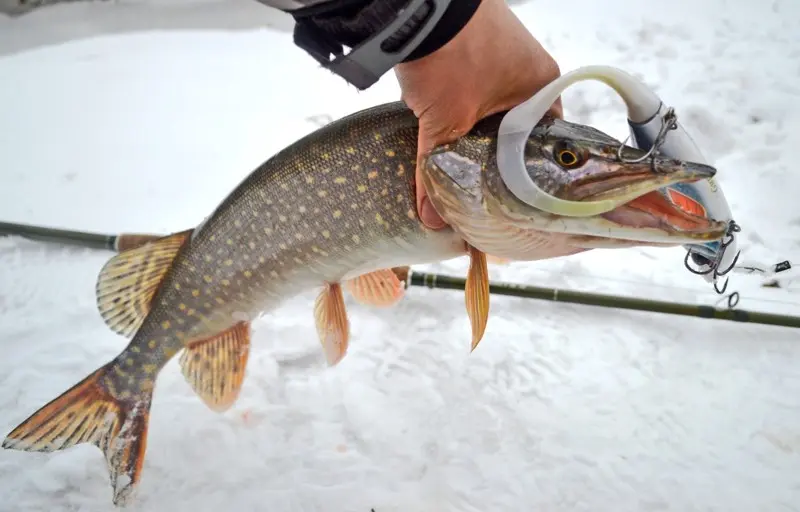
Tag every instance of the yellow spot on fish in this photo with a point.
(191, 312)
(212, 238)
(228, 262)
(326, 233)
(410, 213)
(385, 192)
(177, 286)
(314, 248)
(309, 179)
(390, 153)
(195, 292)
(337, 214)
(207, 258)
(377, 136)
(350, 151)
(165, 324)
(237, 223)
(356, 239)
(302, 209)
(151, 343)
(262, 259)
(372, 175)
(124, 395)
(129, 361)
(181, 306)
(251, 245)
(401, 170)
(149, 368)
(340, 179)
(322, 193)
(378, 217)
(225, 282)
(146, 385)
(268, 201)
(247, 273)
(208, 279)
(135, 349)
(219, 300)
(282, 218)
(229, 241)
(355, 167)
(207, 305)
(282, 246)
(362, 188)
(354, 206)
(284, 186)
(267, 231)
(326, 156)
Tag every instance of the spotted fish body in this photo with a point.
(337, 206)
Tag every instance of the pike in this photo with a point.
(336, 210)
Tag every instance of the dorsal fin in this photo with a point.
(128, 281)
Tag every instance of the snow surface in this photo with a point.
(562, 407)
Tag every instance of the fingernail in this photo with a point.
(430, 217)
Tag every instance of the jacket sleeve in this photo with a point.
(380, 33)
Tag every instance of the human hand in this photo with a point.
(493, 64)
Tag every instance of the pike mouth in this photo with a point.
(654, 211)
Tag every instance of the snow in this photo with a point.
(562, 407)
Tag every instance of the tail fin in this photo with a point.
(88, 413)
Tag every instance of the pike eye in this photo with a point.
(566, 156)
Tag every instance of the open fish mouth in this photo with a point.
(655, 211)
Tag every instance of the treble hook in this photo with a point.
(726, 241)
(668, 122)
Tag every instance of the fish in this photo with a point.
(333, 211)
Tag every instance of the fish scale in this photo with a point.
(335, 209)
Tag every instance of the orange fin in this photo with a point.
(89, 413)
(215, 366)
(381, 288)
(128, 281)
(333, 327)
(476, 293)
(497, 260)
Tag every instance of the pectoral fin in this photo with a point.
(476, 293)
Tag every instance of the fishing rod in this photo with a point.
(125, 241)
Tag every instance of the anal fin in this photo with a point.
(476, 294)
(381, 288)
(129, 280)
(215, 366)
(333, 326)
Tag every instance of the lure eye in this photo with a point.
(567, 157)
